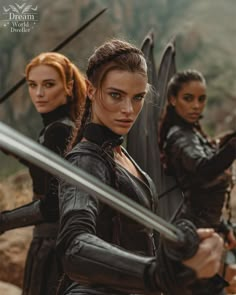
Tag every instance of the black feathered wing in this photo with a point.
(171, 197)
(142, 140)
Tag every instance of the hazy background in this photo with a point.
(206, 39)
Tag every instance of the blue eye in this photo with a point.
(49, 84)
(115, 95)
(139, 97)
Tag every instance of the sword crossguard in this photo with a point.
(188, 241)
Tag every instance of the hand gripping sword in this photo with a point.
(180, 236)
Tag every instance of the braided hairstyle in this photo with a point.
(112, 55)
(179, 79)
(68, 72)
(168, 118)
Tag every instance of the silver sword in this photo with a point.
(26, 148)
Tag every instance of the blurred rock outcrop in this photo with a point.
(14, 244)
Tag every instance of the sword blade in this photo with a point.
(25, 148)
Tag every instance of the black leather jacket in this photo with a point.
(55, 136)
(44, 208)
(103, 251)
(201, 171)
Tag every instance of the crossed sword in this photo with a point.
(25, 148)
(28, 149)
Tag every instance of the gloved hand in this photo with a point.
(232, 143)
(226, 137)
(189, 241)
(227, 230)
(207, 260)
(2, 223)
(198, 256)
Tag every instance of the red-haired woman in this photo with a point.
(57, 90)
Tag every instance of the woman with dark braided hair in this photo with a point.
(57, 90)
(103, 251)
(199, 164)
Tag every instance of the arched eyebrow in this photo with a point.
(45, 80)
(123, 92)
(188, 94)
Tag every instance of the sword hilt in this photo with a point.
(186, 248)
(188, 241)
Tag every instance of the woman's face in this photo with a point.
(46, 88)
(190, 101)
(119, 101)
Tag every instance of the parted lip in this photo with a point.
(125, 120)
(195, 114)
(41, 102)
